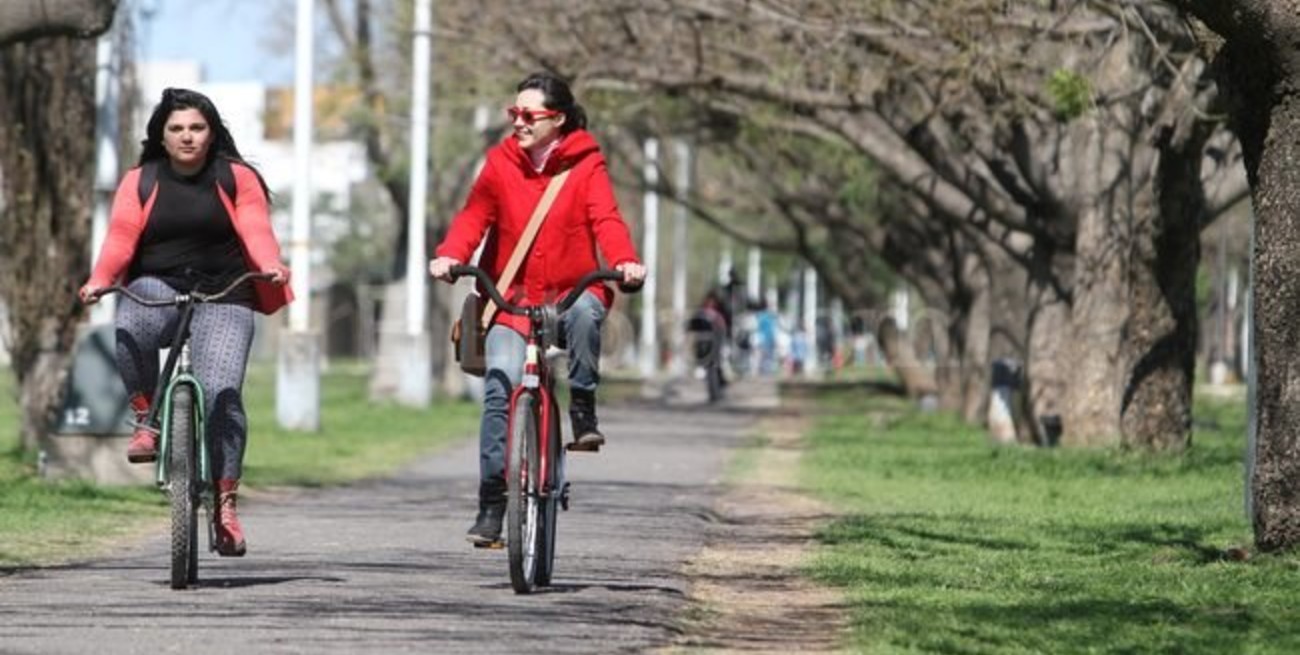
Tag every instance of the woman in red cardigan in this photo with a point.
(549, 137)
(198, 221)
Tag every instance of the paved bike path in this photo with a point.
(383, 567)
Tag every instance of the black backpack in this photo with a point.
(149, 178)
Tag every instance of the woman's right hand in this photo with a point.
(440, 268)
(90, 293)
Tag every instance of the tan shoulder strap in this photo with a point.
(525, 242)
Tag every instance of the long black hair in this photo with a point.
(223, 144)
(558, 96)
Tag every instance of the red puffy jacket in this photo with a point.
(585, 216)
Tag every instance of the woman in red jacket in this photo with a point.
(549, 137)
(197, 221)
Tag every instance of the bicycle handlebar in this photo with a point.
(195, 295)
(462, 270)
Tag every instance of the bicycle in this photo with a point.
(536, 489)
(183, 470)
(706, 336)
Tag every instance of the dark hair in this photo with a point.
(223, 145)
(557, 95)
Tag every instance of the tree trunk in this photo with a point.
(1159, 343)
(917, 380)
(976, 362)
(1097, 317)
(24, 20)
(47, 147)
(1046, 374)
(1267, 119)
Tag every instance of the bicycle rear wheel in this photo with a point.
(550, 506)
(183, 488)
(523, 511)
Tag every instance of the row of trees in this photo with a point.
(1040, 170)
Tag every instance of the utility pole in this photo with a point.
(106, 162)
(650, 222)
(754, 276)
(415, 376)
(298, 382)
(810, 365)
(681, 254)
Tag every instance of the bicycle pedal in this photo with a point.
(490, 545)
(575, 447)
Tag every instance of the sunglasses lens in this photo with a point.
(516, 113)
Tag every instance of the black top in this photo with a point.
(189, 240)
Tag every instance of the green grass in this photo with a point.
(42, 522)
(949, 545)
(358, 438)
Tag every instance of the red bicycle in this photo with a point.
(536, 489)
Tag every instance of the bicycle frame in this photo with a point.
(178, 356)
(537, 380)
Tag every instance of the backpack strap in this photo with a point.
(149, 178)
(226, 177)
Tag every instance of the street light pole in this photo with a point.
(650, 223)
(298, 380)
(415, 376)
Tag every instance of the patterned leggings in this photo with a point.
(220, 337)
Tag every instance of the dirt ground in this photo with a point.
(746, 583)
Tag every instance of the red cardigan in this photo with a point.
(585, 216)
(248, 214)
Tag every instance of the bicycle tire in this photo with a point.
(182, 488)
(522, 500)
(550, 507)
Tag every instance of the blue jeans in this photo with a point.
(505, 350)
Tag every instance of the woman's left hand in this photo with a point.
(279, 274)
(633, 273)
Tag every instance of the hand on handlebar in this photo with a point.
(279, 274)
(440, 268)
(633, 275)
(90, 293)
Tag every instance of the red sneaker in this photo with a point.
(144, 442)
(230, 535)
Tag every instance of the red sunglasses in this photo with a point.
(530, 116)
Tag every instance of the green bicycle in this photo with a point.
(183, 469)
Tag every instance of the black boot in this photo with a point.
(486, 532)
(582, 411)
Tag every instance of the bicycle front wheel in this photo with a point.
(522, 502)
(550, 505)
(183, 488)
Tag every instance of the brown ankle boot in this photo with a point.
(582, 412)
(144, 441)
(230, 535)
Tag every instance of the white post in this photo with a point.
(298, 379)
(681, 254)
(754, 275)
(106, 163)
(650, 223)
(415, 376)
(725, 263)
(810, 366)
(303, 101)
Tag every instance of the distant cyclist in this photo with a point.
(192, 216)
(549, 136)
